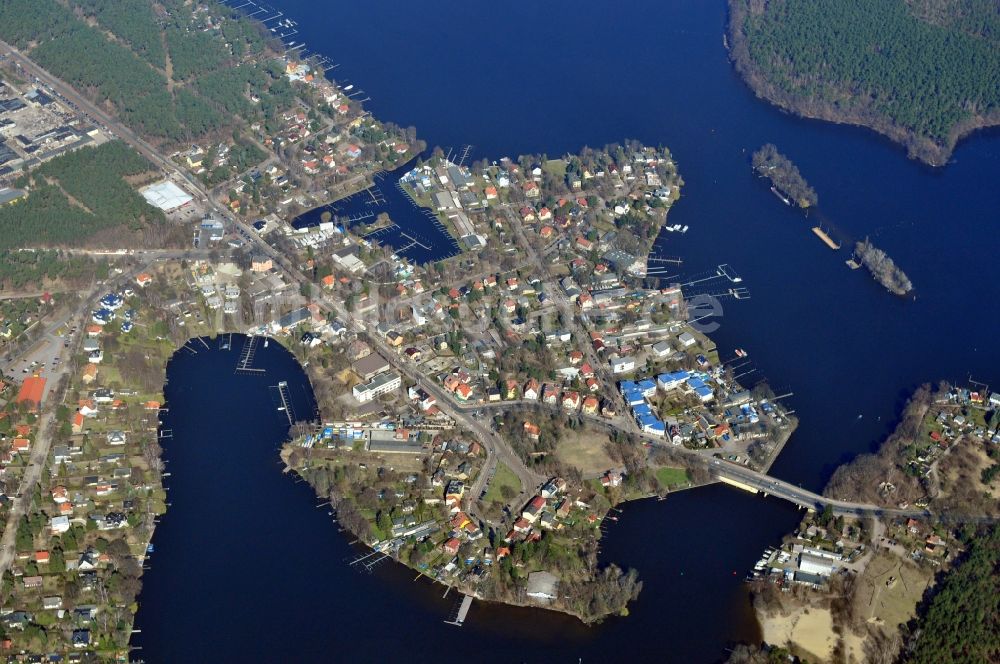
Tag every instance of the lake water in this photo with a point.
(415, 234)
(553, 77)
(245, 567)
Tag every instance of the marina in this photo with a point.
(415, 234)
(734, 221)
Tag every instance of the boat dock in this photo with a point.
(463, 611)
(286, 402)
(246, 356)
(827, 240)
(369, 560)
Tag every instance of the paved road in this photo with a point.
(39, 454)
(568, 314)
(804, 498)
(44, 351)
(497, 448)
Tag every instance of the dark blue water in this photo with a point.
(553, 77)
(415, 233)
(550, 78)
(247, 569)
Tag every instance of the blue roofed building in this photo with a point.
(652, 424)
(112, 301)
(641, 411)
(647, 387)
(670, 381)
(103, 316)
(634, 398)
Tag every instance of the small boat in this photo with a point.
(349, 88)
(785, 199)
(266, 342)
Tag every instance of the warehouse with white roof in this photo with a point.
(166, 195)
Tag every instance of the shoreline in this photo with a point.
(834, 611)
(286, 450)
(918, 148)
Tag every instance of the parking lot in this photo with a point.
(44, 356)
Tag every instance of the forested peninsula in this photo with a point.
(924, 73)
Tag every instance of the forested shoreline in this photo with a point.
(923, 73)
(784, 176)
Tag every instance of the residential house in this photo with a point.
(531, 390)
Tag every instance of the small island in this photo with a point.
(885, 271)
(786, 181)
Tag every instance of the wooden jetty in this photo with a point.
(463, 611)
(827, 240)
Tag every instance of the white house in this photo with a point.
(59, 524)
(381, 384)
(622, 364)
(661, 349)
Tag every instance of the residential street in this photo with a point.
(38, 456)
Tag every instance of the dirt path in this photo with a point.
(72, 201)
(168, 69)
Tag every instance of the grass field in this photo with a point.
(895, 603)
(503, 477)
(555, 167)
(584, 450)
(671, 477)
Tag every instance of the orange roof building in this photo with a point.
(31, 392)
(78, 422)
(89, 374)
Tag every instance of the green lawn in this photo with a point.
(556, 167)
(503, 477)
(671, 476)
